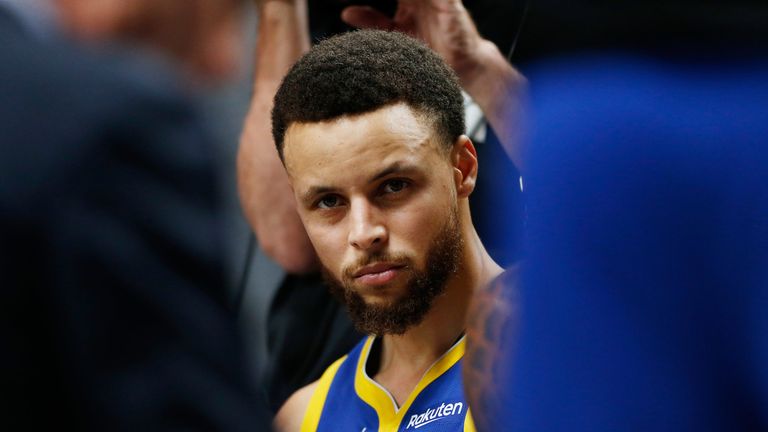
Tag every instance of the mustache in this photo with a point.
(396, 259)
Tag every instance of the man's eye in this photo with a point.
(327, 202)
(394, 186)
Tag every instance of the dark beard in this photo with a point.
(443, 258)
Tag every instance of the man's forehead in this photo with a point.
(389, 133)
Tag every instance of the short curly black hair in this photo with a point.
(364, 70)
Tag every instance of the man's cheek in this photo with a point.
(415, 226)
(329, 247)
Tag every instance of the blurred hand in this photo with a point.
(445, 25)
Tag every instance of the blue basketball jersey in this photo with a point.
(347, 399)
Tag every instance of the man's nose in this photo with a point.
(366, 229)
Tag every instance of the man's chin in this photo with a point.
(379, 302)
(381, 295)
(382, 316)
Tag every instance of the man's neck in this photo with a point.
(405, 358)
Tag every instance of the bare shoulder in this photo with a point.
(291, 414)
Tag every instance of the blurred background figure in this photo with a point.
(115, 313)
(643, 295)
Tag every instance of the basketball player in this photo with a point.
(370, 128)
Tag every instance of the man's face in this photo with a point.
(377, 195)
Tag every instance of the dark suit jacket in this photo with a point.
(112, 312)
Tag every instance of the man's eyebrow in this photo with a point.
(314, 191)
(396, 167)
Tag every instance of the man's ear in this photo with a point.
(464, 160)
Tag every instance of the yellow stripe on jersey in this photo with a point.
(390, 416)
(315, 407)
(372, 393)
(469, 423)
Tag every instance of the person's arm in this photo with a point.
(265, 194)
(492, 324)
(499, 90)
(291, 414)
(446, 26)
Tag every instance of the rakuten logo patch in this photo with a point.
(435, 414)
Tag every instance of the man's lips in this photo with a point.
(376, 274)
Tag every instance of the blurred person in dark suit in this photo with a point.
(113, 310)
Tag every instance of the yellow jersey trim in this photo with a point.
(390, 416)
(469, 423)
(316, 403)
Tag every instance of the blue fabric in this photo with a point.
(645, 293)
(496, 202)
(444, 390)
(343, 409)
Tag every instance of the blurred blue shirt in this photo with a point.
(645, 293)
